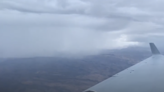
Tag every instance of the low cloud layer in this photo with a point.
(49, 27)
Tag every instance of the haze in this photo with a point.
(31, 28)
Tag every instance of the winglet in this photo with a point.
(154, 49)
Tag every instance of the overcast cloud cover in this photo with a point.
(49, 27)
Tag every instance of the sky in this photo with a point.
(78, 27)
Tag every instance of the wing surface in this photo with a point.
(146, 76)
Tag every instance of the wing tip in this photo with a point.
(154, 49)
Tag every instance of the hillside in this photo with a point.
(56, 74)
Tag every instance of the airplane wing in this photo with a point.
(146, 76)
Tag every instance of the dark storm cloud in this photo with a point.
(48, 27)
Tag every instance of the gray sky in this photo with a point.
(46, 27)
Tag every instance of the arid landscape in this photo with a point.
(56, 74)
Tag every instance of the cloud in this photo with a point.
(45, 6)
(48, 27)
(50, 34)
